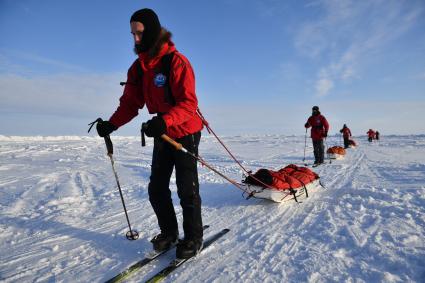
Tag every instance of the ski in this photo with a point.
(174, 264)
(141, 263)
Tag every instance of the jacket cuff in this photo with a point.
(114, 123)
(168, 120)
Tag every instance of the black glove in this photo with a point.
(104, 128)
(306, 125)
(325, 134)
(155, 127)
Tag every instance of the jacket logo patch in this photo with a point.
(159, 80)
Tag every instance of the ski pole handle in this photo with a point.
(108, 141)
(166, 138)
(109, 146)
(177, 145)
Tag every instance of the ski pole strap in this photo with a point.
(98, 120)
(108, 141)
(142, 134)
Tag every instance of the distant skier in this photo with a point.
(346, 134)
(370, 135)
(319, 130)
(176, 117)
(377, 135)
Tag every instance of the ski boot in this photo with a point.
(162, 242)
(188, 248)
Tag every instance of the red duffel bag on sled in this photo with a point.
(336, 152)
(288, 183)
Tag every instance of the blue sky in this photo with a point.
(260, 65)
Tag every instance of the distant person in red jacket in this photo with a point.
(176, 116)
(346, 134)
(370, 135)
(319, 130)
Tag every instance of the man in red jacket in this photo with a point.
(370, 135)
(177, 117)
(319, 130)
(346, 134)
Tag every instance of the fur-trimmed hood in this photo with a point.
(163, 46)
(164, 38)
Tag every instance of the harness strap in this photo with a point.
(166, 70)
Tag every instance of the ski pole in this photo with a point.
(131, 234)
(305, 144)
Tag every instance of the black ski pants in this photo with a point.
(346, 142)
(319, 151)
(165, 158)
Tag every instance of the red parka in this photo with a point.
(371, 134)
(181, 119)
(346, 133)
(319, 126)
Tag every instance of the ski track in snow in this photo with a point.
(62, 219)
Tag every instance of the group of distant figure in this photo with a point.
(319, 131)
(372, 135)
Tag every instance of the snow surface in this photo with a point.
(62, 219)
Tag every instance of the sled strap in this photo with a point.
(204, 121)
(228, 151)
(293, 192)
(180, 147)
(305, 188)
(320, 182)
(252, 194)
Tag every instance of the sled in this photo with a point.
(291, 183)
(336, 152)
(352, 144)
(298, 194)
